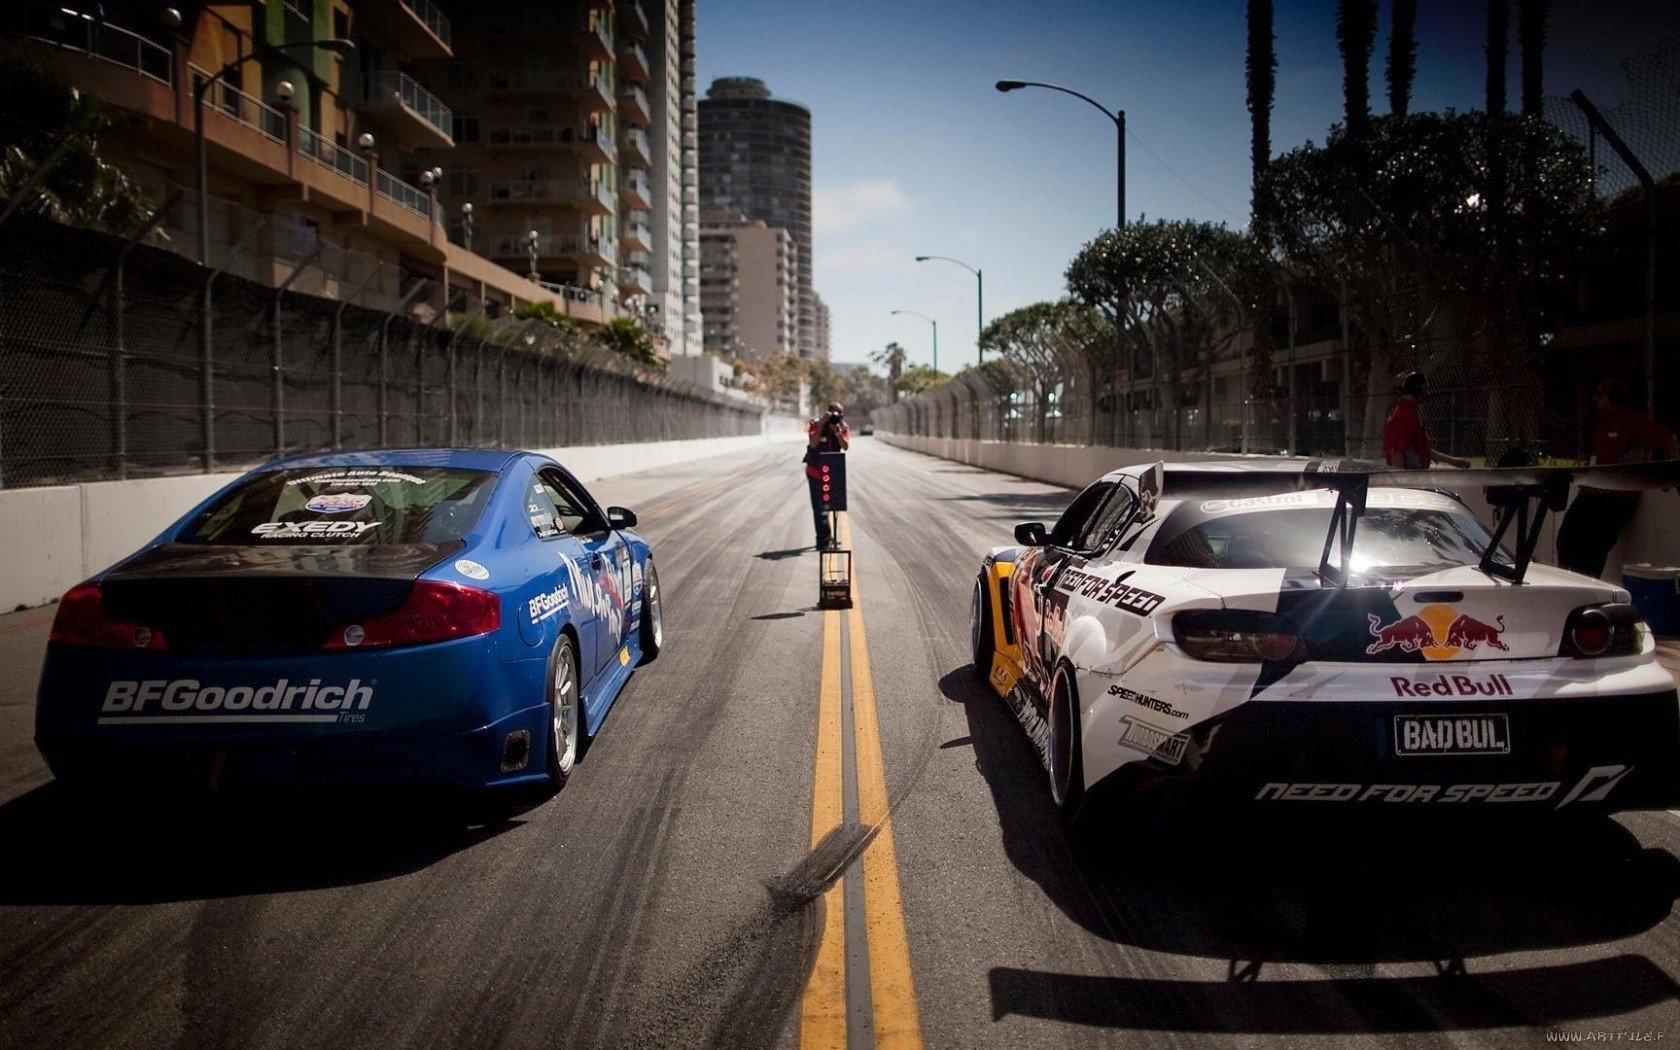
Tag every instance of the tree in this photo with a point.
(1498, 40)
(1437, 251)
(918, 378)
(625, 337)
(1531, 37)
(1356, 34)
(1168, 286)
(1402, 56)
(777, 377)
(1050, 342)
(546, 312)
(891, 358)
(39, 111)
(1262, 87)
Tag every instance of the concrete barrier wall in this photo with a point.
(53, 538)
(1654, 536)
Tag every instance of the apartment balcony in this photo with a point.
(590, 141)
(590, 198)
(634, 147)
(596, 93)
(633, 105)
(572, 248)
(633, 18)
(633, 188)
(635, 280)
(412, 116)
(633, 61)
(635, 235)
(596, 38)
(417, 27)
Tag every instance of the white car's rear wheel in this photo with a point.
(980, 640)
(1067, 768)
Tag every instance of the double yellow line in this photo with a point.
(842, 1007)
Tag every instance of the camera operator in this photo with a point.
(825, 433)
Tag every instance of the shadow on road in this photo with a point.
(66, 849)
(1256, 892)
(791, 552)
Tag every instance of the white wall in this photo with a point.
(53, 538)
(1653, 537)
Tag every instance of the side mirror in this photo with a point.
(1030, 534)
(621, 517)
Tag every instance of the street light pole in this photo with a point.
(202, 88)
(979, 300)
(931, 321)
(1119, 119)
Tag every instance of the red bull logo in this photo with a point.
(1439, 632)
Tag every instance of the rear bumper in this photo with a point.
(1604, 754)
(468, 761)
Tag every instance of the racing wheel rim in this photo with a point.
(563, 721)
(974, 624)
(1059, 743)
(655, 614)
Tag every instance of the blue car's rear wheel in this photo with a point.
(564, 713)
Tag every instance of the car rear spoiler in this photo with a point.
(1521, 496)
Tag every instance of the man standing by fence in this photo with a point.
(825, 433)
(1405, 441)
(1594, 522)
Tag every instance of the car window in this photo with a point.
(544, 516)
(1388, 541)
(1109, 520)
(1072, 524)
(574, 510)
(347, 505)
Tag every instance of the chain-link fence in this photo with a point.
(122, 358)
(1647, 118)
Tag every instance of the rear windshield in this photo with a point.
(1388, 541)
(347, 505)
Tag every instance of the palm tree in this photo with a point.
(1262, 86)
(1531, 37)
(891, 358)
(1356, 34)
(1498, 33)
(1402, 56)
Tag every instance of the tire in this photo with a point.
(652, 630)
(982, 644)
(565, 713)
(1062, 746)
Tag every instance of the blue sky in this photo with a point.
(916, 153)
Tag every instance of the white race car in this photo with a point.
(1326, 637)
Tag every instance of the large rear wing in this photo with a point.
(1521, 496)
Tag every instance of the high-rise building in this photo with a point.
(755, 159)
(564, 120)
(822, 329)
(749, 286)
(670, 91)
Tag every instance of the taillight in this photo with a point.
(1602, 630)
(434, 611)
(1237, 636)
(82, 620)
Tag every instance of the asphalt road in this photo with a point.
(679, 892)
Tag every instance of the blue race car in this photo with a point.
(461, 619)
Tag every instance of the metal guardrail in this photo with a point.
(546, 190)
(638, 139)
(551, 245)
(95, 37)
(542, 134)
(243, 107)
(389, 84)
(435, 20)
(572, 293)
(330, 154)
(399, 192)
(636, 95)
(635, 276)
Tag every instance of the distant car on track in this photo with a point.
(455, 618)
(1324, 638)
(867, 430)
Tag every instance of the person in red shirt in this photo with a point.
(1595, 520)
(1405, 441)
(825, 433)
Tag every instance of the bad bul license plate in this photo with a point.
(1452, 735)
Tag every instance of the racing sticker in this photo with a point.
(1149, 702)
(1594, 786)
(1113, 592)
(312, 530)
(1168, 747)
(550, 604)
(357, 476)
(1439, 632)
(338, 502)
(1453, 685)
(472, 570)
(186, 700)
